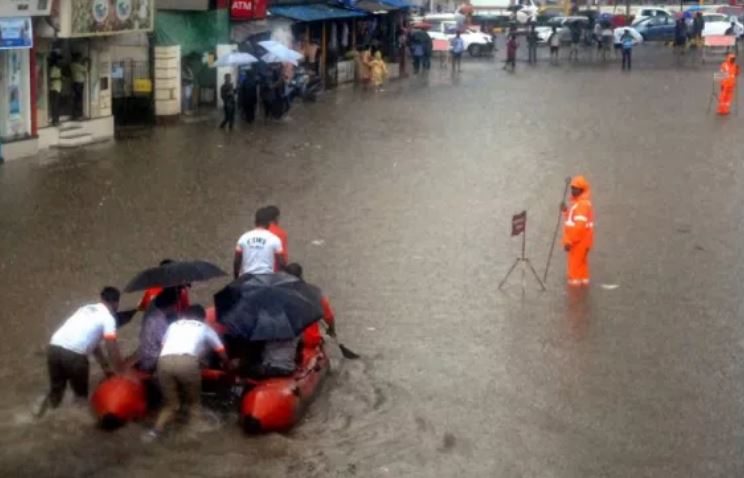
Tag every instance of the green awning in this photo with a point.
(196, 31)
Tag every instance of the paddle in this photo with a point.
(345, 351)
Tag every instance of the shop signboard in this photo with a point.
(16, 33)
(110, 17)
(25, 8)
(247, 9)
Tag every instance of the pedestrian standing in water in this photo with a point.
(578, 232)
(627, 41)
(511, 52)
(532, 39)
(248, 96)
(554, 40)
(575, 30)
(458, 47)
(379, 71)
(227, 93)
(417, 52)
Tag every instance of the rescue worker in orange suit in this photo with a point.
(311, 335)
(730, 71)
(578, 231)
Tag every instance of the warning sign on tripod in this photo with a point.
(519, 227)
(519, 223)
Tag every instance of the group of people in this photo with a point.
(602, 34)
(76, 72)
(372, 68)
(175, 335)
(271, 84)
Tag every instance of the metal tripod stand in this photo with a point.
(522, 260)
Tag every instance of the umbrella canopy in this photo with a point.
(279, 53)
(267, 307)
(174, 274)
(274, 58)
(236, 58)
(619, 32)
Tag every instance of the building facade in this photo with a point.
(18, 121)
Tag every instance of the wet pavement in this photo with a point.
(398, 205)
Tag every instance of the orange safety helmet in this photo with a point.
(580, 182)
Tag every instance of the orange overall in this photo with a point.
(578, 233)
(730, 70)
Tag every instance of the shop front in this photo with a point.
(106, 79)
(16, 42)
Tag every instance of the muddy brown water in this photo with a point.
(398, 205)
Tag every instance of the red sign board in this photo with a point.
(247, 9)
(519, 223)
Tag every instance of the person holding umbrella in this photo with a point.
(248, 95)
(151, 293)
(627, 41)
(269, 310)
(154, 325)
(311, 336)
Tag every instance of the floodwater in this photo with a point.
(398, 204)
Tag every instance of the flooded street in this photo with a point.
(398, 205)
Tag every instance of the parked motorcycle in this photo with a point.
(305, 85)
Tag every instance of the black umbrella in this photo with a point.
(267, 307)
(174, 274)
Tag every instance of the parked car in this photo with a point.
(656, 28)
(476, 42)
(650, 12)
(718, 23)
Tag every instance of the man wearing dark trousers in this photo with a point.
(227, 93)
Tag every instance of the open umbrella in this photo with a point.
(236, 58)
(274, 58)
(174, 274)
(267, 307)
(280, 50)
(619, 32)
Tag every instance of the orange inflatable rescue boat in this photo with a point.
(277, 404)
(273, 404)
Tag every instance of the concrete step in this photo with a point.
(75, 140)
(69, 127)
(72, 134)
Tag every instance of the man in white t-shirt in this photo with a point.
(258, 250)
(186, 342)
(80, 336)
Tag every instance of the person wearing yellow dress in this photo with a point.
(379, 71)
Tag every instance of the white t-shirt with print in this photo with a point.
(190, 337)
(259, 248)
(82, 332)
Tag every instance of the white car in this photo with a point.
(648, 12)
(476, 43)
(718, 23)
